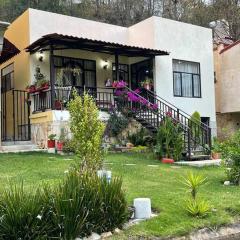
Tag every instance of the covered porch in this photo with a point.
(86, 65)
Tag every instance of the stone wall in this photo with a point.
(228, 123)
(41, 131)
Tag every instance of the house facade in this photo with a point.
(227, 87)
(86, 55)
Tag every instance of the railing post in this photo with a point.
(178, 113)
(52, 77)
(189, 144)
(13, 109)
(210, 138)
(29, 112)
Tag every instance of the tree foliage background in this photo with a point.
(128, 12)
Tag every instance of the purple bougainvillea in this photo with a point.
(132, 97)
(119, 84)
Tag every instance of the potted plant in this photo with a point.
(51, 141)
(216, 149)
(31, 88)
(42, 84)
(169, 145)
(147, 83)
(61, 140)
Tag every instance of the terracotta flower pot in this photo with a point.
(147, 86)
(51, 143)
(216, 155)
(59, 146)
(31, 89)
(167, 160)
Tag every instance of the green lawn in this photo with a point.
(161, 183)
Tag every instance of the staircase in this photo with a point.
(150, 110)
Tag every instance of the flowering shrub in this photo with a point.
(119, 84)
(133, 96)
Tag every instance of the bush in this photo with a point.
(85, 203)
(82, 203)
(195, 127)
(68, 146)
(87, 130)
(197, 208)
(141, 138)
(169, 140)
(116, 124)
(230, 151)
(23, 215)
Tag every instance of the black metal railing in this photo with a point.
(42, 101)
(199, 134)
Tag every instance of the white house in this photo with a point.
(74, 52)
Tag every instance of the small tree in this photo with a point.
(195, 125)
(87, 131)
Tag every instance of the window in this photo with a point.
(186, 79)
(7, 78)
(123, 72)
(75, 72)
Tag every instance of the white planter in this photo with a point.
(106, 174)
(142, 208)
(51, 150)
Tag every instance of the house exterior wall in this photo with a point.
(227, 88)
(229, 80)
(43, 23)
(184, 42)
(18, 34)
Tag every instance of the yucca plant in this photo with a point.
(23, 215)
(197, 207)
(193, 183)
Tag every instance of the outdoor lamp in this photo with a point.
(105, 64)
(40, 56)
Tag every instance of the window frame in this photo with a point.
(192, 80)
(120, 70)
(4, 77)
(83, 67)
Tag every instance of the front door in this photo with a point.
(140, 71)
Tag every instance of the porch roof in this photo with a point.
(9, 50)
(59, 41)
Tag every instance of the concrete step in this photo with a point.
(16, 148)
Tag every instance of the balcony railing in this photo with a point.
(42, 101)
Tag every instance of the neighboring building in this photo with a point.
(74, 52)
(227, 88)
(3, 27)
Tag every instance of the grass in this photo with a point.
(162, 183)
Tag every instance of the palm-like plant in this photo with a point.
(193, 182)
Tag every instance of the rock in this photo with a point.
(94, 236)
(78, 238)
(117, 231)
(227, 183)
(106, 235)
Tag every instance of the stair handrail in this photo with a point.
(183, 113)
(185, 127)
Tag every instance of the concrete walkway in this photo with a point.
(202, 163)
